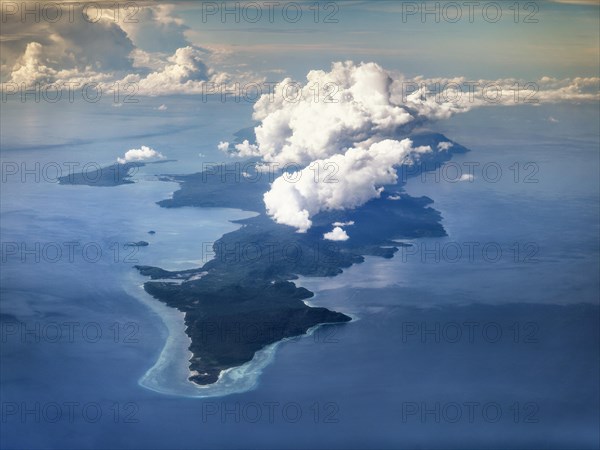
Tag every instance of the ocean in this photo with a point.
(486, 338)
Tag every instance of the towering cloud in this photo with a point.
(106, 44)
(76, 46)
(343, 128)
(348, 106)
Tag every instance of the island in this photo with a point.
(137, 244)
(112, 175)
(244, 299)
(107, 176)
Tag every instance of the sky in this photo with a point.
(553, 39)
(563, 42)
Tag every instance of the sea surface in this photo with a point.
(486, 338)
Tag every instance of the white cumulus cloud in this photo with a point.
(337, 234)
(349, 106)
(140, 154)
(246, 149)
(444, 146)
(343, 224)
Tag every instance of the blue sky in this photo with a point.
(563, 43)
(550, 39)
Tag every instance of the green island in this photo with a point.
(244, 298)
(107, 176)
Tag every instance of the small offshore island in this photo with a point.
(244, 299)
(115, 174)
(137, 244)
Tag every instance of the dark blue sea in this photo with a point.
(486, 338)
